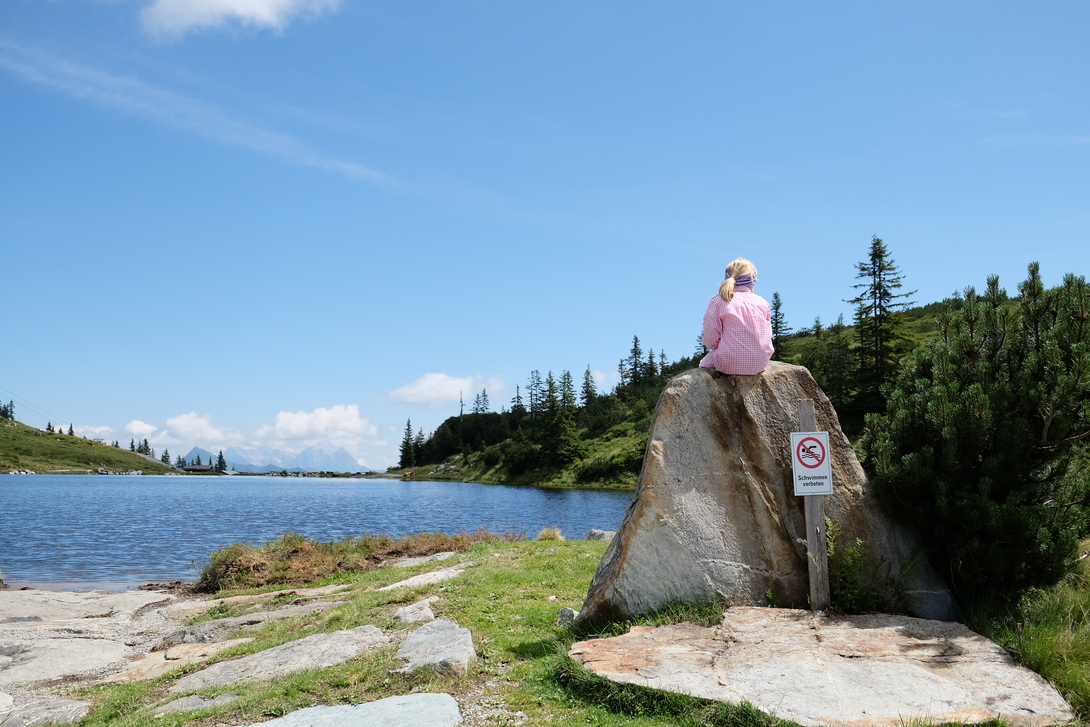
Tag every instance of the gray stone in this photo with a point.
(419, 612)
(860, 671)
(312, 652)
(192, 703)
(158, 663)
(220, 629)
(600, 535)
(38, 606)
(410, 562)
(6, 700)
(565, 619)
(35, 661)
(427, 579)
(715, 515)
(46, 711)
(410, 710)
(442, 644)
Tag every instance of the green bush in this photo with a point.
(979, 444)
(859, 580)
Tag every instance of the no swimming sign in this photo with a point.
(813, 474)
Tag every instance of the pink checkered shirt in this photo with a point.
(739, 334)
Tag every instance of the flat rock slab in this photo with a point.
(26, 662)
(46, 711)
(27, 607)
(443, 645)
(426, 579)
(410, 710)
(158, 663)
(856, 671)
(219, 629)
(192, 703)
(419, 612)
(410, 562)
(191, 609)
(312, 652)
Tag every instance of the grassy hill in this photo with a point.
(27, 448)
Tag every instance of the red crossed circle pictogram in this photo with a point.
(810, 453)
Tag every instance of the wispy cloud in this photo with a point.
(1057, 140)
(435, 390)
(174, 18)
(172, 110)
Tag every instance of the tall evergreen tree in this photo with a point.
(408, 456)
(518, 409)
(780, 329)
(878, 314)
(535, 393)
(180, 462)
(132, 445)
(71, 430)
(567, 391)
(221, 463)
(589, 391)
(165, 459)
(635, 361)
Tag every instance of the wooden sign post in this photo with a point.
(813, 474)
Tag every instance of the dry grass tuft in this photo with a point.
(292, 560)
(549, 534)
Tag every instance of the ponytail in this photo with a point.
(726, 289)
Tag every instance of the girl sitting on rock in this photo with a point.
(738, 324)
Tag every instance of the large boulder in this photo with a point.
(715, 514)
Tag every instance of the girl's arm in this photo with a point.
(713, 325)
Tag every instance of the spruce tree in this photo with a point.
(780, 329)
(567, 391)
(878, 310)
(589, 391)
(165, 459)
(983, 442)
(408, 458)
(221, 463)
(634, 363)
(71, 430)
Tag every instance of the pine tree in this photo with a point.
(132, 445)
(979, 443)
(780, 329)
(589, 391)
(221, 463)
(878, 310)
(567, 391)
(518, 409)
(198, 462)
(180, 462)
(71, 430)
(408, 458)
(535, 393)
(634, 363)
(165, 459)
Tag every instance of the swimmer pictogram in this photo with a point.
(810, 453)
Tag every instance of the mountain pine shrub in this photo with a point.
(983, 441)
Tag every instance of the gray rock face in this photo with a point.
(442, 644)
(411, 710)
(427, 579)
(857, 671)
(565, 618)
(715, 515)
(312, 652)
(33, 661)
(600, 535)
(419, 612)
(46, 711)
(220, 629)
(410, 562)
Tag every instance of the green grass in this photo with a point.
(27, 448)
(1049, 632)
(522, 654)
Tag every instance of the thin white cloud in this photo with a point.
(1057, 140)
(177, 17)
(335, 424)
(436, 390)
(172, 110)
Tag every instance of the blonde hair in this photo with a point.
(736, 269)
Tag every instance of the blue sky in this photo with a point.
(301, 222)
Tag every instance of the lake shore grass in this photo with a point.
(523, 676)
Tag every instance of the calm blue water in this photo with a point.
(101, 529)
